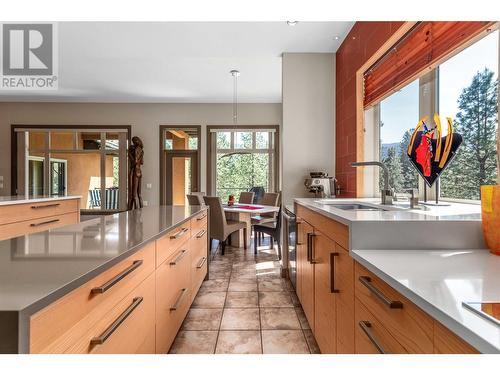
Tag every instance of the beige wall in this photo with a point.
(308, 119)
(145, 120)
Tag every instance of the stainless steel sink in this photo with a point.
(352, 206)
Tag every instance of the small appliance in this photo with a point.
(321, 185)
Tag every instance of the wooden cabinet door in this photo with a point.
(323, 254)
(344, 282)
(305, 270)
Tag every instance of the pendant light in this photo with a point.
(235, 74)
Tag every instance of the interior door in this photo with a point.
(305, 270)
(181, 176)
(324, 256)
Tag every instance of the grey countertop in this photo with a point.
(20, 199)
(39, 268)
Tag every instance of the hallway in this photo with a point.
(245, 308)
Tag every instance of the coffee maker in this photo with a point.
(321, 185)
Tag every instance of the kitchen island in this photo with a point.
(117, 284)
(394, 279)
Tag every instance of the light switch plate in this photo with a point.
(149, 185)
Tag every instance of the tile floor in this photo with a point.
(245, 308)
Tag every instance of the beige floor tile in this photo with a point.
(275, 299)
(295, 299)
(242, 285)
(279, 318)
(241, 299)
(194, 342)
(209, 299)
(302, 318)
(284, 342)
(202, 320)
(311, 342)
(239, 342)
(215, 285)
(272, 285)
(219, 274)
(240, 319)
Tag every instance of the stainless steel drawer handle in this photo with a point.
(101, 289)
(179, 299)
(332, 273)
(201, 217)
(99, 340)
(181, 255)
(202, 262)
(36, 207)
(44, 223)
(201, 234)
(366, 327)
(367, 281)
(179, 234)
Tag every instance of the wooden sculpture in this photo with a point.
(135, 160)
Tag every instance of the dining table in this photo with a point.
(245, 212)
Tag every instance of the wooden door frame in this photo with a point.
(163, 175)
(276, 171)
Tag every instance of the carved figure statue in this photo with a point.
(135, 160)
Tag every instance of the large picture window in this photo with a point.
(242, 159)
(90, 162)
(465, 88)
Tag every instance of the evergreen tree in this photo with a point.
(393, 163)
(408, 171)
(477, 121)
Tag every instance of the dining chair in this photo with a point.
(246, 197)
(220, 227)
(269, 199)
(272, 229)
(196, 198)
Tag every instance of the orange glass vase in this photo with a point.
(490, 212)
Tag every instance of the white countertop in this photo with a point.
(438, 281)
(20, 199)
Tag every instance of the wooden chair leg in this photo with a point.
(255, 242)
(223, 246)
(271, 242)
(245, 238)
(229, 240)
(279, 248)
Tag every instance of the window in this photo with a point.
(468, 92)
(71, 161)
(242, 159)
(465, 88)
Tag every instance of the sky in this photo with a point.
(399, 112)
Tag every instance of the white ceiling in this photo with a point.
(178, 62)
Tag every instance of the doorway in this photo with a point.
(179, 163)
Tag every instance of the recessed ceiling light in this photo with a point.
(336, 37)
(292, 23)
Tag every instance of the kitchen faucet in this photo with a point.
(386, 193)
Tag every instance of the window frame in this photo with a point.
(51, 154)
(428, 102)
(272, 151)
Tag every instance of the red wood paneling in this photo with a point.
(364, 39)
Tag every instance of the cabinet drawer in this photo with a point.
(128, 328)
(446, 342)
(29, 211)
(199, 222)
(199, 267)
(55, 328)
(371, 335)
(409, 325)
(171, 242)
(37, 225)
(173, 297)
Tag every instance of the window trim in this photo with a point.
(85, 127)
(212, 150)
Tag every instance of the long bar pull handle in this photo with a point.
(99, 340)
(297, 233)
(366, 281)
(308, 254)
(179, 234)
(202, 262)
(36, 207)
(179, 299)
(181, 255)
(44, 223)
(201, 234)
(332, 273)
(366, 327)
(101, 289)
(201, 217)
